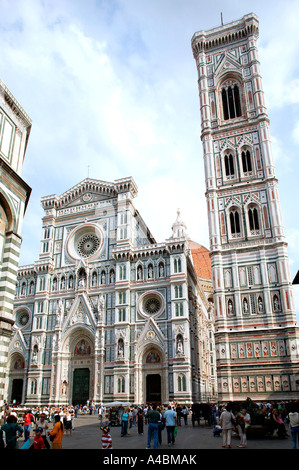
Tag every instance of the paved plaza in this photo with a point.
(87, 435)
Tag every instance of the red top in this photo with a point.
(28, 418)
(38, 442)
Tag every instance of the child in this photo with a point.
(38, 442)
(106, 438)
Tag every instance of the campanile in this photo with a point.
(255, 321)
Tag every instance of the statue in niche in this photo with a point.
(139, 273)
(230, 308)
(34, 355)
(120, 349)
(180, 346)
(161, 270)
(64, 387)
(150, 272)
(260, 305)
(245, 305)
(276, 303)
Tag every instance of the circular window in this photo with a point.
(152, 306)
(151, 303)
(85, 241)
(88, 245)
(22, 318)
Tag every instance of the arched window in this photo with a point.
(235, 226)
(121, 385)
(181, 383)
(253, 217)
(231, 102)
(177, 265)
(33, 387)
(229, 165)
(246, 161)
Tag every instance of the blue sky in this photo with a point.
(112, 85)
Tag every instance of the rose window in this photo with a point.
(152, 306)
(85, 241)
(88, 245)
(22, 319)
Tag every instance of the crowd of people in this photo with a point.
(270, 417)
(226, 419)
(38, 420)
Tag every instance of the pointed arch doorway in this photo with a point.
(153, 388)
(81, 380)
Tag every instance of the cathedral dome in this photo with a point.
(201, 260)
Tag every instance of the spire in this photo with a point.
(179, 229)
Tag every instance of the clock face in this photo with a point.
(85, 241)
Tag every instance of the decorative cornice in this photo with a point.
(102, 187)
(226, 34)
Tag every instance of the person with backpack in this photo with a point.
(28, 419)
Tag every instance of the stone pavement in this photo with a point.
(87, 435)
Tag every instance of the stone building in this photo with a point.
(107, 313)
(15, 127)
(256, 332)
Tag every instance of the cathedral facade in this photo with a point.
(256, 331)
(15, 127)
(106, 313)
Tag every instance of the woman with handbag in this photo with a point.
(57, 433)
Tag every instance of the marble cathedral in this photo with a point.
(256, 331)
(15, 128)
(107, 313)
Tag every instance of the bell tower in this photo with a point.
(256, 331)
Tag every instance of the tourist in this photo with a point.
(42, 423)
(28, 419)
(106, 438)
(242, 422)
(12, 431)
(153, 420)
(38, 442)
(294, 424)
(68, 423)
(279, 424)
(140, 421)
(57, 433)
(179, 414)
(185, 413)
(125, 421)
(170, 423)
(227, 423)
